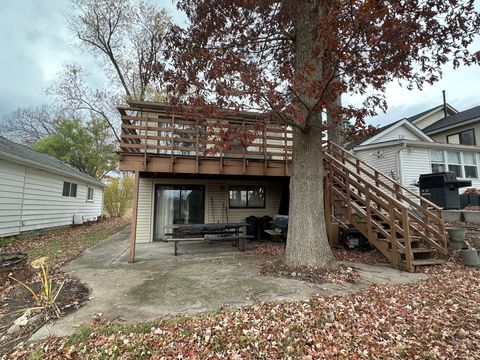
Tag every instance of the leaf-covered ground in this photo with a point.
(438, 318)
(64, 244)
(60, 246)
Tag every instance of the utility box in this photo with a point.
(442, 189)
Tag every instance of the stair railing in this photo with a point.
(429, 225)
(373, 205)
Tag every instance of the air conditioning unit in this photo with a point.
(77, 219)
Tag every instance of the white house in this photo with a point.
(38, 191)
(403, 151)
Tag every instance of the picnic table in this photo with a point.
(213, 232)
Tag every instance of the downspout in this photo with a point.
(399, 162)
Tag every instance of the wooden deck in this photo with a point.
(163, 139)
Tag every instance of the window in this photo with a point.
(463, 164)
(454, 163)
(69, 189)
(470, 165)
(466, 137)
(246, 197)
(90, 194)
(438, 161)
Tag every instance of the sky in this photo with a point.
(35, 43)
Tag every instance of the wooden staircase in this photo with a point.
(407, 228)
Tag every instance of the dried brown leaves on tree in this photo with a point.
(293, 60)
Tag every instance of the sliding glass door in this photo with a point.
(177, 204)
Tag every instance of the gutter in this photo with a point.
(418, 144)
(462, 123)
(36, 165)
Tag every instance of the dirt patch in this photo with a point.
(339, 274)
(22, 271)
(16, 300)
(370, 257)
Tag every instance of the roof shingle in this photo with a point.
(19, 151)
(458, 118)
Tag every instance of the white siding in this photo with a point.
(415, 161)
(145, 210)
(384, 160)
(12, 178)
(399, 133)
(216, 202)
(430, 119)
(32, 198)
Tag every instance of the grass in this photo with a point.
(81, 336)
(62, 245)
(7, 241)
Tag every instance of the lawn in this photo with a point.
(65, 244)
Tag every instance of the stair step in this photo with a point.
(420, 251)
(421, 262)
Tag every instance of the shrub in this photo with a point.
(118, 196)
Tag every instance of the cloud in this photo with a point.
(36, 43)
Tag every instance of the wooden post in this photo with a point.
(197, 148)
(408, 240)
(133, 234)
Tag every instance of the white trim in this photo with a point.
(417, 144)
(400, 123)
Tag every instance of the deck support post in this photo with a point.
(133, 234)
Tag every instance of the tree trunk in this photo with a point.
(307, 243)
(334, 123)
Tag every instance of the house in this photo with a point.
(426, 143)
(182, 176)
(38, 191)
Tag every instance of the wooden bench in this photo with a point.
(237, 240)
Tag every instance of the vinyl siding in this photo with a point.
(33, 199)
(430, 119)
(12, 178)
(145, 210)
(399, 133)
(385, 160)
(216, 202)
(415, 161)
(441, 137)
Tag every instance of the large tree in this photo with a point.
(29, 124)
(126, 37)
(86, 146)
(293, 59)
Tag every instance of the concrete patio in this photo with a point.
(203, 277)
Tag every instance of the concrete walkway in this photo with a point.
(203, 277)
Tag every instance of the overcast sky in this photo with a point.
(35, 43)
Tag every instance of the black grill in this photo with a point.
(442, 188)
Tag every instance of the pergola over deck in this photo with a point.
(161, 138)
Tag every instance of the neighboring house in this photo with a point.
(183, 179)
(404, 151)
(461, 128)
(38, 191)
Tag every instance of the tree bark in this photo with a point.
(334, 123)
(307, 243)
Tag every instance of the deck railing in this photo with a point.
(163, 133)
